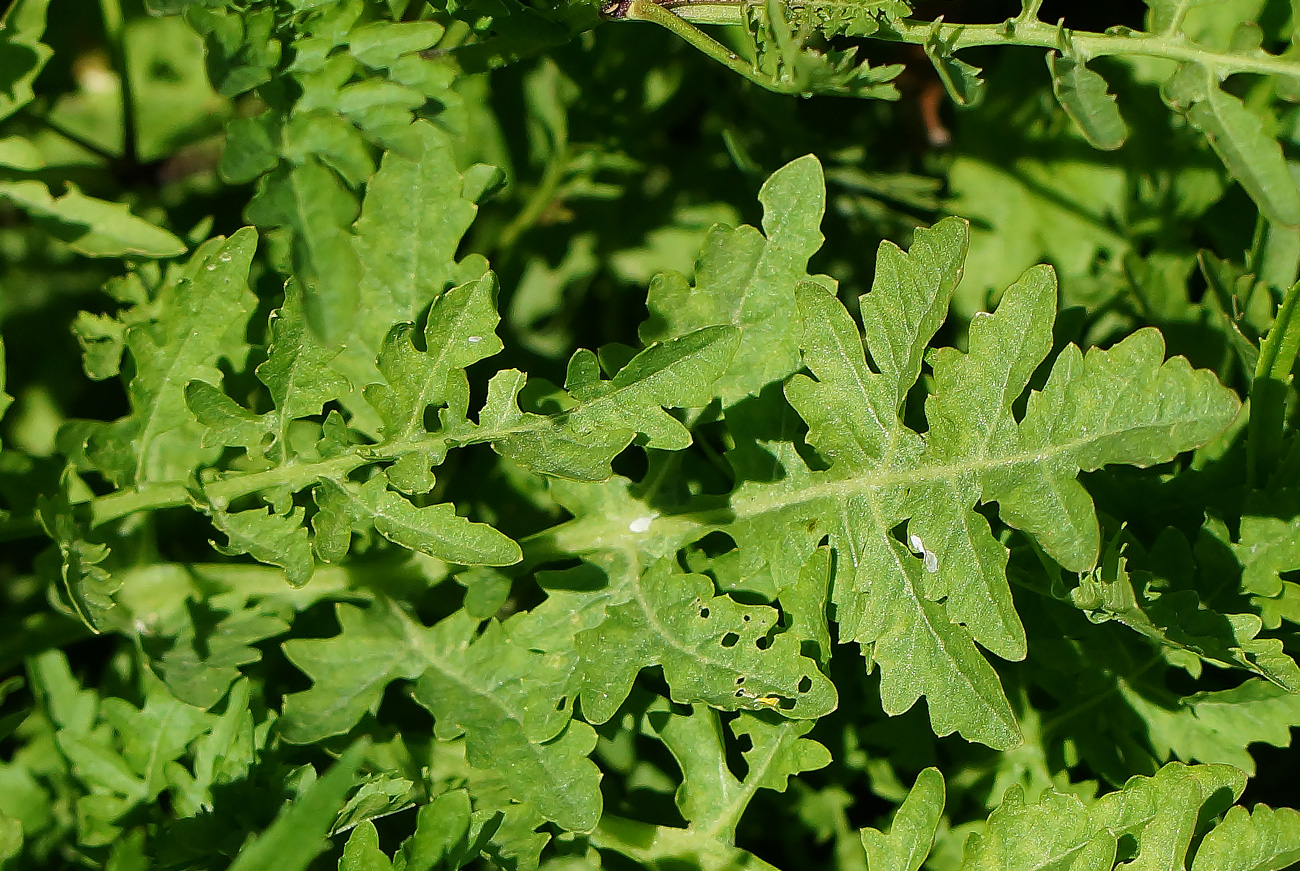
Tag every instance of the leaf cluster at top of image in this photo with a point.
(467, 434)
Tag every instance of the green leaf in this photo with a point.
(201, 661)
(362, 853)
(89, 585)
(243, 47)
(154, 736)
(298, 834)
(381, 43)
(278, 539)
(350, 670)
(448, 834)
(679, 373)
(1252, 157)
(862, 431)
(1259, 840)
(961, 80)
(433, 529)
(911, 834)
(461, 330)
(777, 750)
(1219, 726)
(102, 341)
(295, 370)
(22, 54)
(1180, 621)
(226, 753)
(509, 701)
(379, 795)
(296, 374)
(545, 443)
(712, 649)
(1082, 94)
(312, 204)
(19, 153)
(330, 139)
(406, 247)
(746, 279)
(1064, 831)
(909, 301)
(173, 103)
(1268, 548)
(199, 319)
(710, 797)
(11, 837)
(1278, 351)
(94, 227)
(252, 147)
(1122, 405)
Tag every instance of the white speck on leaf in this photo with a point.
(474, 340)
(928, 557)
(642, 524)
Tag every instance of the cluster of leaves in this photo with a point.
(1190, 48)
(411, 458)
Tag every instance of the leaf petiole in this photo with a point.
(1023, 30)
(681, 17)
(1277, 357)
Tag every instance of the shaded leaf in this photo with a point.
(94, 227)
(298, 834)
(911, 834)
(1082, 94)
(1252, 157)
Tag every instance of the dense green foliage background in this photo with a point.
(308, 560)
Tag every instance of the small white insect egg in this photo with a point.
(928, 557)
(474, 340)
(642, 524)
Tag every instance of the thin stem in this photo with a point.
(229, 487)
(1096, 698)
(71, 135)
(111, 12)
(648, 10)
(1023, 30)
(1029, 10)
(1039, 34)
(1277, 356)
(541, 197)
(1176, 19)
(150, 497)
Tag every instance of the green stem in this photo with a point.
(227, 488)
(111, 13)
(71, 135)
(541, 197)
(668, 845)
(1039, 34)
(1277, 356)
(1024, 30)
(706, 13)
(1093, 700)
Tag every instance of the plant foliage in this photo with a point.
(470, 434)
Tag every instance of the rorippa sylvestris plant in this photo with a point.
(479, 434)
